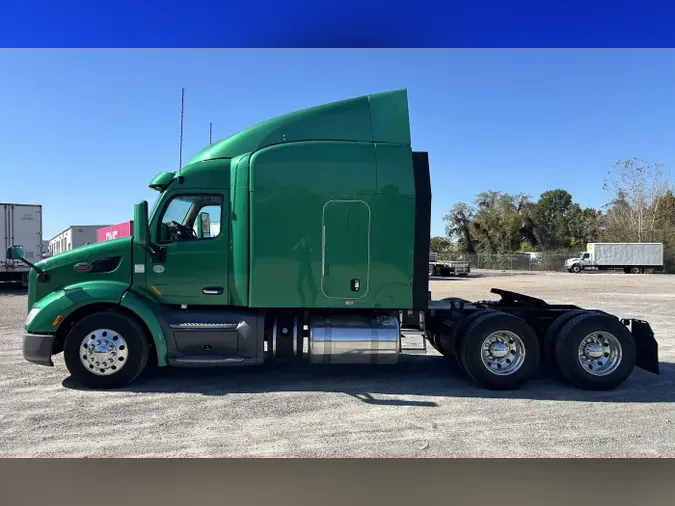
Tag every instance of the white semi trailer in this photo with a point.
(20, 224)
(630, 257)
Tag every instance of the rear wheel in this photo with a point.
(635, 270)
(499, 351)
(595, 352)
(106, 350)
(553, 332)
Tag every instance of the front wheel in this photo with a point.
(576, 268)
(106, 350)
(499, 351)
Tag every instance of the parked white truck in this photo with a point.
(631, 257)
(20, 224)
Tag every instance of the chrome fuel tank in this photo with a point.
(343, 339)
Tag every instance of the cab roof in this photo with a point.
(379, 117)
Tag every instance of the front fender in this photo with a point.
(47, 314)
(148, 310)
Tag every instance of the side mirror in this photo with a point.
(141, 233)
(203, 225)
(15, 253)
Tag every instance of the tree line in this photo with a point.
(640, 207)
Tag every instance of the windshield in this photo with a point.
(178, 209)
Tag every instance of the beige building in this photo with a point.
(73, 237)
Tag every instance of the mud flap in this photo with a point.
(646, 346)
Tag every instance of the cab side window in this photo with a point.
(191, 218)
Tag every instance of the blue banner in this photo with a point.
(347, 24)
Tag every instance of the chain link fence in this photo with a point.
(551, 262)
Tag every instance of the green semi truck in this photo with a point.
(305, 237)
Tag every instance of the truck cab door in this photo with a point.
(586, 259)
(191, 267)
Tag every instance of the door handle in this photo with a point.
(213, 290)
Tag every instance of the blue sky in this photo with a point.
(83, 132)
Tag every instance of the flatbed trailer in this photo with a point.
(320, 253)
(449, 268)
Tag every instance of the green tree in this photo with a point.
(440, 244)
(558, 222)
(585, 226)
(497, 223)
(458, 223)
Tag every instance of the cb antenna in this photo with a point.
(180, 146)
(210, 133)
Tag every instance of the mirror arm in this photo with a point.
(42, 275)
(31, 265)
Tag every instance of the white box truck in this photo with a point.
(631, 257)
(21, 224)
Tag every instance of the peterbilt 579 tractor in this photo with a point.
(302, 238)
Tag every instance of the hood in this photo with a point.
(86, 253)
(108, 260)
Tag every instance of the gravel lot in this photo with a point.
(421, 407)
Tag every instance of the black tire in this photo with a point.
(133, 334)
(471, 350)
(567, 350)
(433, 341)
(553, 332)
(576, 268)
(452, 342)
(635, 270)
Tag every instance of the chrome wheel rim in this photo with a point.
(103, 352)
(600, 353)
(503, 352)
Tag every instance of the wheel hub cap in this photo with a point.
(103, 352)
(600, 353)
(499, 350)
(503, 352)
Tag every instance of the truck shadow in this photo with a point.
(421, 379)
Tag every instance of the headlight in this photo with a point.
(31, 314)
